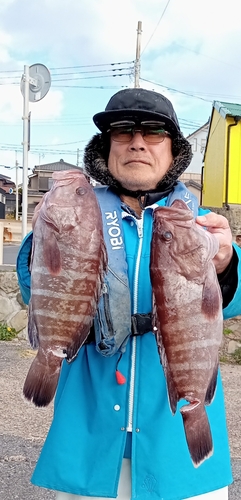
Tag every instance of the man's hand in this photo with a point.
(219, 226)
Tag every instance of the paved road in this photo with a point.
(10, 253)
(23, 427)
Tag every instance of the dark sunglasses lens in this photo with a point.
(122, 134)
(154, 135)
(150, 134)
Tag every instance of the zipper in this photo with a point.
(105, 294)
(139, 224)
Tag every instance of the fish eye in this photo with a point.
(80, 191)
(167, 235)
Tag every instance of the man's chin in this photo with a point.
(137, 186)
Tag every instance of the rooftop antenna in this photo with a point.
(35, 84)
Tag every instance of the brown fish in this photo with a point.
(187, 318)
(68, 263)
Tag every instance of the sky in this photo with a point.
(189, 51)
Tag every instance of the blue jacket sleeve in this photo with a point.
(23, 273)
(234, 306)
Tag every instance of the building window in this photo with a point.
(203, 144)
(43, 184)
(194, 145)
(50, 182)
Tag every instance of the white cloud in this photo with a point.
(51, 106)
(190, 47)
(5, 42)
(11, 105)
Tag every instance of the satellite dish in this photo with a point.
(42, 78)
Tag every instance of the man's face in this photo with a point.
(139, 165)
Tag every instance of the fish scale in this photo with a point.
(187, 318)
(68, 264)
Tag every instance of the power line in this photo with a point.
(209, 57)
(110, 75)
(101, 87)
(91, 65)
(78, 73)
(92, 71)
(90, 77)
(175, 90)
(156, 26)
(72, 67)
(46, 150)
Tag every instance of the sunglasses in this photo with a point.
(151, 132)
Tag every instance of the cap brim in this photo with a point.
(104, 119)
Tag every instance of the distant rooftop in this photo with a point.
(56, 166)
(5, 178)
(227, 108)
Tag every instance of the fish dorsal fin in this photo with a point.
(33, 335)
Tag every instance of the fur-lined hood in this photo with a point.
(96, 159)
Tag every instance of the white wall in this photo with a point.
(198, 141)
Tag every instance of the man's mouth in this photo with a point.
(137, 160)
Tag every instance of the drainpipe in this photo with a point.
(201, 194)
(236, 120)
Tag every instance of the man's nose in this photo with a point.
(137, 142)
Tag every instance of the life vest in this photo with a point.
(113, 321)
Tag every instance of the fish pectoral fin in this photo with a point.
(51, 252)
(72, 350)
(212, 386)
(33, 335)
(49, 222)
(172, 392)
(198, 433)
(211, 299)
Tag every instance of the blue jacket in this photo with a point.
(86, 442)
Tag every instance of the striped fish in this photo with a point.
(68, 263)
(187, 318)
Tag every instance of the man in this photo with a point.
(110, 434)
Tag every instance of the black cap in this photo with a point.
(138, 105)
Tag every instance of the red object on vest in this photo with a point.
(120, 378)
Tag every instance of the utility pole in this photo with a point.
(16, 166)
(78, 155)
(138, 55)
(35, 84)
(25, 149)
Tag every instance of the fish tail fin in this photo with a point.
(41, 381)
(198, 433)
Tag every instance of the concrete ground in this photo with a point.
(23, 427)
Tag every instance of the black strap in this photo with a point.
(141, 323)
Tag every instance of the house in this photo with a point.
(222, 157)
(192, 177)
(40, 181)
(6, 183)
(7, 197)
(2, 203)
